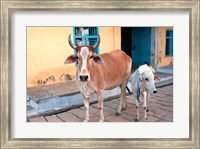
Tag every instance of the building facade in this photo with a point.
(47, 48)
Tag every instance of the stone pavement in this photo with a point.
(160, 110)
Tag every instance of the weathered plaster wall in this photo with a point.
(163, 60)
(47, 49)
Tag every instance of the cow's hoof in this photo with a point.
(123, 109)
(136, 120)
(117, 114)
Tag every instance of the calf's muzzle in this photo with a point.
(155, 91)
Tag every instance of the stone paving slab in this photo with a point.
(69, 117)
(42, 92)
(38, 94)
(53, 118)
(160, 110)
(63, 89)
(37, 119)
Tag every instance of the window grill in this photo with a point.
(86, 36)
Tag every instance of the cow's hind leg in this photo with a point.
(123, 103)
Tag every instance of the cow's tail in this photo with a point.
(128, 90)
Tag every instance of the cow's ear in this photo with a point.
(97, 59)
(156, 77)
(71, 59)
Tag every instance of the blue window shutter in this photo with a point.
(169, 43)
(86, 36)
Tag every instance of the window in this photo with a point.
(86, 36)
(169, 43)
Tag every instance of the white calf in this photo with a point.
(142, 81)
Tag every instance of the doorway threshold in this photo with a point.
(165, 69)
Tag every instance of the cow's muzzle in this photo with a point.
(83, 77)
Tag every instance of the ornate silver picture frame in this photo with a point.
(9, 7)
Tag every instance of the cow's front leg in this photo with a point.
(86, 104)
(100, 105)
(145, 105)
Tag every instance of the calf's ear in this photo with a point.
(156, 77)
(97, 59)
(152, 69)
(70, 59)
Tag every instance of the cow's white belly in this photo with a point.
(85, 89)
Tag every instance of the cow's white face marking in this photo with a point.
(84, 52)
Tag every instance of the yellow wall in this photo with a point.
(110, 38)
(47, 49)
(163, 60)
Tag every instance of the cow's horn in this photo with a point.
(97, 43)
(70, 42)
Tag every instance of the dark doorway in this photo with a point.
(136, 42)
(126, 43)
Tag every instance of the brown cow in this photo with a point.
(96, 73)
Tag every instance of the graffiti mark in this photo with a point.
(65, 77)
(43, 82)
(39, 82)
(52, 78)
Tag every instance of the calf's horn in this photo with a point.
(70, 42)
(97, 43)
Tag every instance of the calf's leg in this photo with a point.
(148, 94)
(137, 108)
(145, 105)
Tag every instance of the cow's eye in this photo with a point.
(146, 79)
(91, 57)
